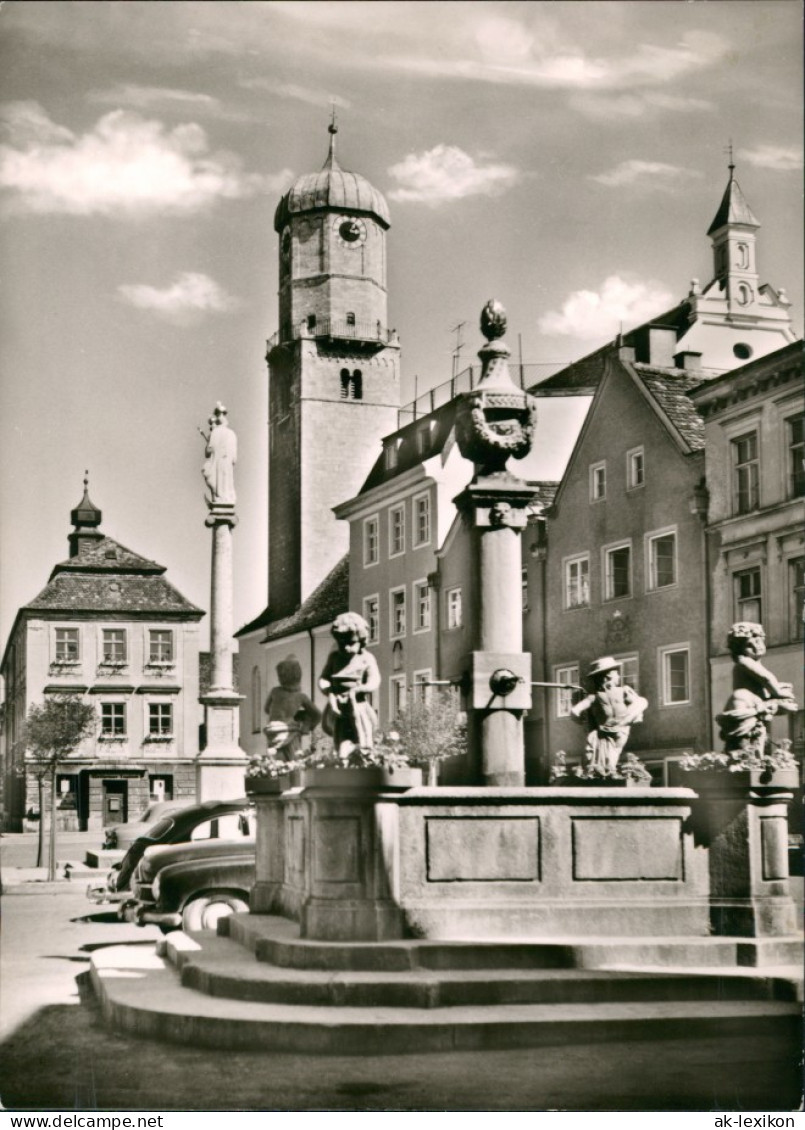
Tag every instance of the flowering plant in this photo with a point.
(777, 755)
(631, 768)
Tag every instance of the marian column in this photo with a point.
(495, 421)
(221, 763)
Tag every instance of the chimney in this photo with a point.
(689, 359)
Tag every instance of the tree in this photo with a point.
(53, 731)
(430, 730)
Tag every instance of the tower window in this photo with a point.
(350, 319)
(742, 351)
(311, 321)
(351, 384)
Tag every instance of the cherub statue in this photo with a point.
(756, 693)
(609, 713)
(350, 675)
(290, 712)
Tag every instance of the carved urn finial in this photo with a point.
(496, 419)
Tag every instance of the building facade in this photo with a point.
(754, 451)
(110, 627)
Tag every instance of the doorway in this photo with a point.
(115, 802)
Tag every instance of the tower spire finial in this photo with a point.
(730, 152)
(332, 129)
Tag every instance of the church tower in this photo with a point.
(735, 317)
(334, 371)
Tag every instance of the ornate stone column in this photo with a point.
(495, 422)
(220, 766)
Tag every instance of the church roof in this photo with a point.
(327, 601)
(733, 208)
(334, 188)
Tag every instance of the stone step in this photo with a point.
(220, 967)
(140, 993)
(276, 940)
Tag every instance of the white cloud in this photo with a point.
(776, 157)
(637, 104)
(600, 314)
(125, 165)
(448, 173)
(646, 174)
(191, 295)
(308, 94)
(130, 94)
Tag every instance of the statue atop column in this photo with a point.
(222, 454)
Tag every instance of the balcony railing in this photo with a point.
(374, 333)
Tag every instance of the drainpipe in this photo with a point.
(699, 504)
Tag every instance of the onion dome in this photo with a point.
(86, 513)
(333, 188)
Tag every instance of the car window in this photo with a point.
(161, 828)
(228, 826)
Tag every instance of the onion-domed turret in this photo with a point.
(333, 188)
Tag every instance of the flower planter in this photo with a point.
(709, 781)
(374, 777)
(267, 786)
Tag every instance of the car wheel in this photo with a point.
(203, 913)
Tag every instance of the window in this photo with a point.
(396, 696)
(630, 671)
(564, 699)
(421, 606)
(661, 560)
(675, 675)
(371, 541)
(350, 318)
(617, 572)
(423, 439)
(796, 585)
(396, 530)
(390, 455)
(371, 614)
(160, 646)
(311, 322)
(635, 469)
(421, 519)
(748, 605)
(524, 589)
(397, 613)
(745, 473)
(160, 719)
(66, 650)
(598, 482)
(453, 600)
(351, 385)
(114, 645)
(796, 458)
(113, 719)
(257, 700)
(422, 688)
(577, 582)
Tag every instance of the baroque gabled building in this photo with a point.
(110, 627)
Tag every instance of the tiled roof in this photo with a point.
(733, 209)
(107, 555)
(579, 379)
(669, 387)
(325, 603)
(419, 440)
(118, 593)
(329, 600)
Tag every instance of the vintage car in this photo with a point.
(192, 885)
(210, 820)
(121, 836)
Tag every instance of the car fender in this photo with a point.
(179, 882)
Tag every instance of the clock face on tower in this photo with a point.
(350, 232)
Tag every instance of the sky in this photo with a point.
(565, 158)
